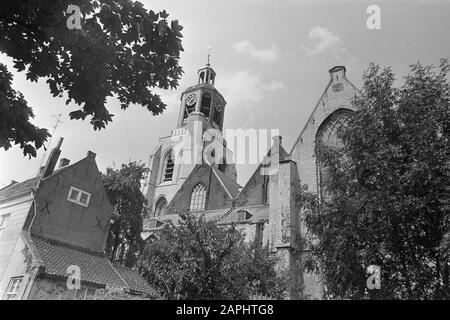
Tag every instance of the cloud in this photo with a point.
(245, 88)
(327, 41)
(265, 54)
(246, 93)
(170, 97)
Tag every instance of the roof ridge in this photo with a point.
(221, 176)
(118, 273)
(221, 182)
(228, 177)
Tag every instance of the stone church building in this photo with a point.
(192, 170)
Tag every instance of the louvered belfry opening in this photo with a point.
(169, 165)
(205, 104)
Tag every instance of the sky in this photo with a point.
(271, 58)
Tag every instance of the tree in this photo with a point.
(389, 199)
(15, 114)
(122, 50)
(111, 293)
(198, 259)
(123, 185)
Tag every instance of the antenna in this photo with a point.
(58, 121)
(209, 55)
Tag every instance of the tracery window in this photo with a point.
(198, 198)
(329, 135)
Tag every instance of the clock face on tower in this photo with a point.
(191, 99)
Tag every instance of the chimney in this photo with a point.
(337, 73)
(52, 160)
(90, 155)
(277, 140)
(63, 162)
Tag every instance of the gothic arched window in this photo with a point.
(328, 135)
(198, 198)
(160, 207)
(168, 166)
(205, 105)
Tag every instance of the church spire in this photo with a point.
(203, 98)
(207, 75)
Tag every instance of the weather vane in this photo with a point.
(209, 55)
(58, 121)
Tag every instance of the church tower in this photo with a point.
(203, 98)
(196, 140)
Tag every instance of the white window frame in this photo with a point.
(80, 193)
(4, 222)
(13, 288)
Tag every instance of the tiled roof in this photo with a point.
(18, 188)
(228, 183)
(24, 187)
(94, 267)
(134, 280)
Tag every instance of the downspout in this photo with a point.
(36, 262)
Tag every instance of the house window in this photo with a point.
(79, 196)
(12, 291)
(3, 220)
(198, 198)
(169, 165)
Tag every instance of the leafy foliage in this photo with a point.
(123, 188)
(198, 259)
(15, 114)
(121, 50)
(112, 293)
(389, 186)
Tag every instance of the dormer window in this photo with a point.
(243, 215)
(79, 197)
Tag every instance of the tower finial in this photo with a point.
(209, 55)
